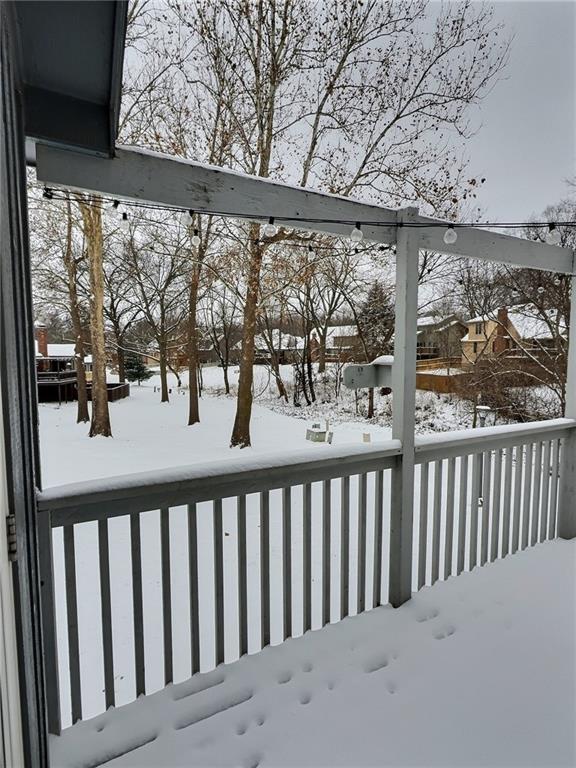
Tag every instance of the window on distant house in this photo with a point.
(493, 346)
(478, 330)
(475, 347)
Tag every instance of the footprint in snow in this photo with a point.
(375, 663)
(251, 761)
(444, 633)
(427, 615)
(305, 697)
(391, 687)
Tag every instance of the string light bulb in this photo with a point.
(450, 236)
(186, 218)
(540, 289)
(124, 223)
(270, 229)
(357, 235)
(195, 239)
(114, 210)
(553, 235)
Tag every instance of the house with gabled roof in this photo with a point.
(503, 332)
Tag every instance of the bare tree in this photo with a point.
(376, 96)
(91, 210)
(157, 255)
(71, 263)
(58, 257)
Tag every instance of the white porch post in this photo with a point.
(404, 392)
(567, 497)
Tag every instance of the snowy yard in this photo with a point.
(476, 671)
(152, 435)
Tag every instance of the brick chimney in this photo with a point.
(42, 339)
(501, 338)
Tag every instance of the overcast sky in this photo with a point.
(526, 145)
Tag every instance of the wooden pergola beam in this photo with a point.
(149, 177)
(482, 244)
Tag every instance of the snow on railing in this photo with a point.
(150, 578)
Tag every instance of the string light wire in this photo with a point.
(53, 194)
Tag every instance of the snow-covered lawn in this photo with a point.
(476, 671)
(148, 434)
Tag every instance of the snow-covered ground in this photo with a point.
(476, 671)
(491, 693)
(148, 434)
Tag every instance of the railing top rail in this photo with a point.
(468, 441)
(143, 491)
(140, 492)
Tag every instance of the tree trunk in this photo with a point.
(310, 375)
(121, 362)
(82, 415)
(92, 217)
(226, 380)
(370, 414)
(275, 365)
(241, 431)
(163, 373)
(322, 352)
(303, 382)
(174, 370)
(194, 407)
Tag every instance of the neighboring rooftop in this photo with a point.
(529, 323)
(60, 352)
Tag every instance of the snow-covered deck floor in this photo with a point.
(479, 670)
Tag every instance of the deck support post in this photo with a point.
(404, 395)
(567, 495)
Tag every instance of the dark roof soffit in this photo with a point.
(72, 54)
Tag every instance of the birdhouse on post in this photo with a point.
(378, 373)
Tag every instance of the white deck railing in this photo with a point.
(254, 552)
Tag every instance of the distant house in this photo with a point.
(287, 347)
(56, 368)
(439, 337)
(177, 352)
(491, 336)
(343, 344)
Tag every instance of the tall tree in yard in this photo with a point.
(157, 258)
(377, 92)
(120, 310)
(59, 266)
(167, 107)
(91, 210)
(349, 97)
(375, 327)
(71, 264)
